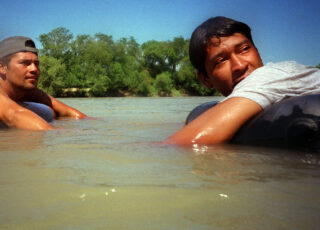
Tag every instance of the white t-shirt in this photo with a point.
(276, 81)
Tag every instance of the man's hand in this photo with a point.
(217, 125)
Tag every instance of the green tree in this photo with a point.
(91, 57)
(164, 84)
(52, 73)
(142, 84)
(128, 54)
(176, 52)
(100, 87)
(56, 43)
(155, 57)
(108, 67)
(117, 76)
(133, 48)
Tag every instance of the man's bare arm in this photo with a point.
(64, 110)
(15, 116)
(217, 125)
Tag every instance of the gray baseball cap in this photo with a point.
(16, 44)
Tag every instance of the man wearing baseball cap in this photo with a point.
(19, 74)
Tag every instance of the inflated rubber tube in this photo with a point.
(41, 110)
(293, 122)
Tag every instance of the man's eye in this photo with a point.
(219, 60)
(244, 48)
(25, 63)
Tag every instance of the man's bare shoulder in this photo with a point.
(4, 100)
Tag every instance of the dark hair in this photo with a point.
(213, 27)
(6, 60)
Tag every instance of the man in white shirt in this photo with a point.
(224, 54)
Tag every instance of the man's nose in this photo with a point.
(237, 64)
(34, 68)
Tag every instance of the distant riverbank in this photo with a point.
(85, 92)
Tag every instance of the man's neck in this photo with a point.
(12, 92)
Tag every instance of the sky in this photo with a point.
(282, 29)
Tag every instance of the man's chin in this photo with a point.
(30, 87)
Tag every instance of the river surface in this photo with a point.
(109, 173)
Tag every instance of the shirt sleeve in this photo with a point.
(274, 82)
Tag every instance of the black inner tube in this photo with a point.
(291, 123)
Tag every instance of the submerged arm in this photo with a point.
(217, 125)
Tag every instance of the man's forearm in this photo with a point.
(64, 110)
(217, 125)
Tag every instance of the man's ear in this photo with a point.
(204, 80)
(3, 69)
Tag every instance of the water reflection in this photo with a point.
(234, 164)
(13, 140)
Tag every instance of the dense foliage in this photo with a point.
(99, 66)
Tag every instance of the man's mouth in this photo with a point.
(236, 81)
(32, 78)
(240, 78)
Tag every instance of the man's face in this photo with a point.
(229, 60)
(23, 71)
